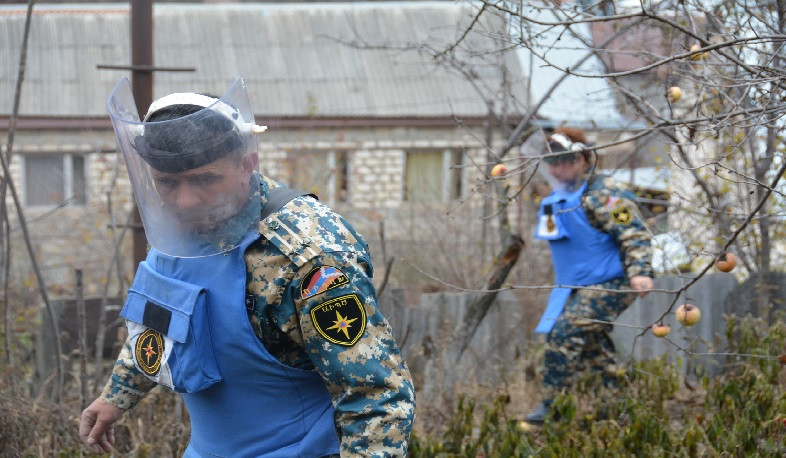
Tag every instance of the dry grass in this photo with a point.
(29, 427)
(520, 386)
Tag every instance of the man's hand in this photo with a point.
(96, 426)
(642, 284)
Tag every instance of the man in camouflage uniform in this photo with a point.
(305, 364)
(599, 241)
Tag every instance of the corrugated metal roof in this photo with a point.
(297, 59)
(578, 101)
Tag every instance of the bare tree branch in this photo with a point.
(8, 182)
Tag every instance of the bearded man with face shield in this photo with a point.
(598, 239)
(255, 302)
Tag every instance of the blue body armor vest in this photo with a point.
(581, 254)
(191, 332)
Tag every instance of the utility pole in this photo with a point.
(142, 87)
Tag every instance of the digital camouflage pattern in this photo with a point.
(127, 385)
(607, 203)
(364, 372)
(577, 342)
(369, 381)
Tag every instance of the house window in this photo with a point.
(323, 173)
(54, 179)
(434, 176)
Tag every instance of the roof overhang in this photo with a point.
(77, 123)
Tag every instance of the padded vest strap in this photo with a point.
(280, 196)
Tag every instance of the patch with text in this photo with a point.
(341, 320)
(149, 351)
(321, 279)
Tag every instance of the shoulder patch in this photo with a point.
(621, 214)
(149, 351)
(321, 279)
(341, 320)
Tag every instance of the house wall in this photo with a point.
(378, 178)
(69, 237)
(376, 175)
(82, 236)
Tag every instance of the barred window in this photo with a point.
(324, 173)
(434, 176)
(54, 179)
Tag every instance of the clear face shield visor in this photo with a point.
(195, 176)
(553, 155)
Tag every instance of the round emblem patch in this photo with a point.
(341, 320)
(621, 214)
(149, 351)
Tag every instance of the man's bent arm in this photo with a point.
(368, 379)
(611, 208)
(127, 385)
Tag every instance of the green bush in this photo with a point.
(739, 413)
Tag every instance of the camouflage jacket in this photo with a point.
(319, 313)
(611, 207)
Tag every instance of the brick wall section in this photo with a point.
(16, 175)
(271, 163)
(107, 173)
(377, 178)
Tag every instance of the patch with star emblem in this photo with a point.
(148, 352)
(321, 279)
(341, 320)
(621, 214)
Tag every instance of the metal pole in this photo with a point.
(142, 87)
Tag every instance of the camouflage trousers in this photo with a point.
(580, 338)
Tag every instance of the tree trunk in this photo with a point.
(440, 383)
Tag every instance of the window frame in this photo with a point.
(452, 186)
(338, 184)
(70, 197)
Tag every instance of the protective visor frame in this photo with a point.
(556, 159)
(164, 230)
(561, 149)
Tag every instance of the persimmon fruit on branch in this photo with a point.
(726, 262)
(660, 330)
(499, 170)
(688, 314)
(674, 93)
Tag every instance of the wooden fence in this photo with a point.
(505, 335)
(506, 332)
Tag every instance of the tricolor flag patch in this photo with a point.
(612, 201)
(321, 279)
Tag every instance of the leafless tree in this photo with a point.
(723, 137)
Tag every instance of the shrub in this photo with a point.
(741, 413)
